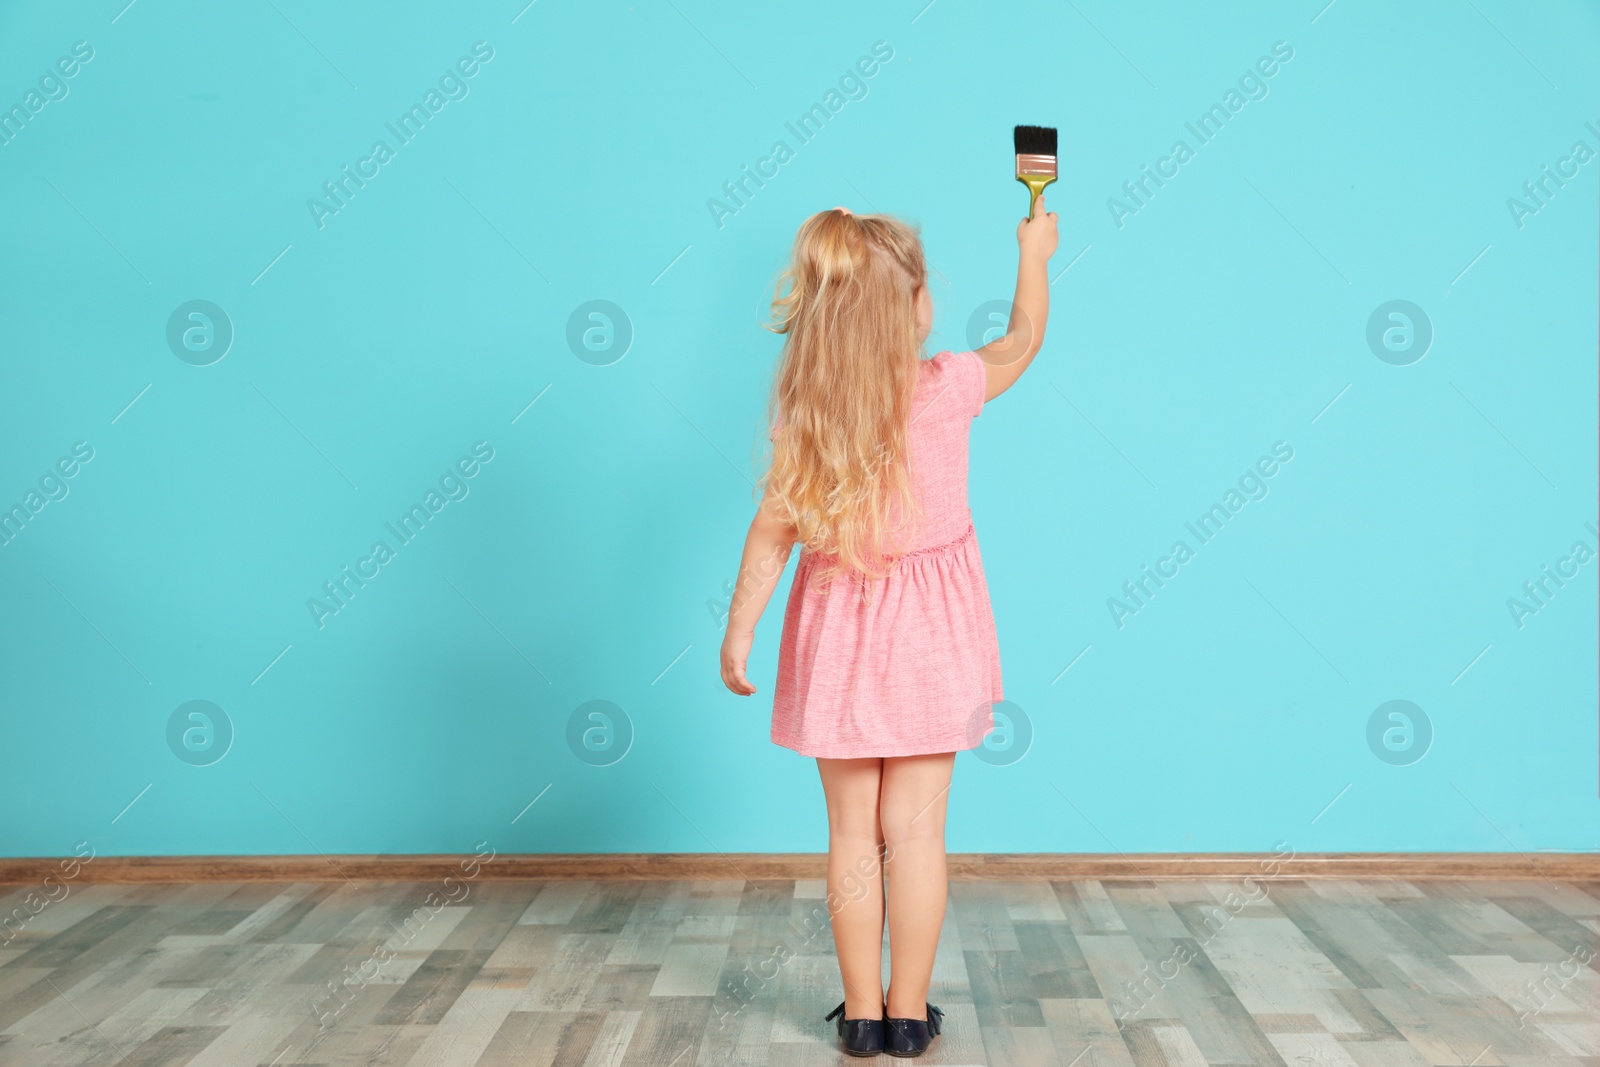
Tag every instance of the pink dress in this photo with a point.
(917, 669)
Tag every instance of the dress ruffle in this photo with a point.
(914, 670)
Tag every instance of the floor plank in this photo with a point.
(1124, 972)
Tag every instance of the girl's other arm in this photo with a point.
(766, 553)
(1005, 359)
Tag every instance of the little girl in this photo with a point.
(889, 662)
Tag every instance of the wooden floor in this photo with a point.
(671, 974)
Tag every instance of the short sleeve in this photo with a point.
(975, 379)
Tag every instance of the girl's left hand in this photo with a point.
(735, 650)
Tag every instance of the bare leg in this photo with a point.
(911, 810)
(855, 880)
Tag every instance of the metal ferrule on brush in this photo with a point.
(1036, 166)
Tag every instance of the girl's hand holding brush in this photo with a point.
(1037, 235)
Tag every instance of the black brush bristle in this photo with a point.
(1035, 140)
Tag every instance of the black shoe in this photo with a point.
(911, 1037)
(860, 1037)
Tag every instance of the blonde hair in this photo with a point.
(841, 396)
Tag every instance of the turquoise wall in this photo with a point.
(422, 341)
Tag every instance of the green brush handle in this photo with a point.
(1035, 184)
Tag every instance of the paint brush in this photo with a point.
(1036, 159)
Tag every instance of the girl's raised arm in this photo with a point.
(1005, 359)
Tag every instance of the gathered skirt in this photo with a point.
(912, 671)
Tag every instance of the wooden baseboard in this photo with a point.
(1410, 866)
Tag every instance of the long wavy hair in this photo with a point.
(841, 396)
